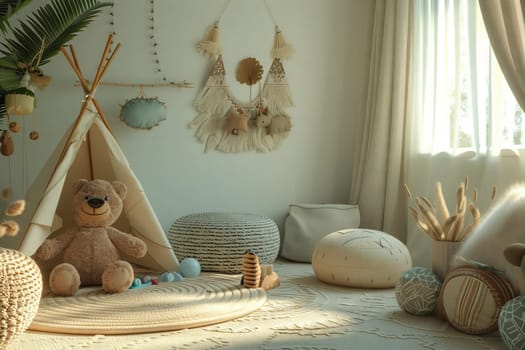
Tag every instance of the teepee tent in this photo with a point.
(91, 151)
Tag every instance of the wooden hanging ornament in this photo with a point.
(34, 135)
(7, 147)
(14, 127)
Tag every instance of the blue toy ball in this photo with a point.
(190, 267)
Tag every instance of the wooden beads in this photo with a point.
(14, 127)
(33, 135)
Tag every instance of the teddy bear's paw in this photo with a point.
(117, 277)
(64, 280)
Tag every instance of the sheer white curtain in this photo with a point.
(505, 23)
(378, 169)
(464, 121)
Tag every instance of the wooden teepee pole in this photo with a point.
(89, 91)
(105, 62)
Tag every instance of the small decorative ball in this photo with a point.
(14, 127)
(166, 277)
(417, 291)
(33, 135)
(190, 267)
(177, 277)
(511, 323)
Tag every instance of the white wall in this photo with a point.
(327, 77)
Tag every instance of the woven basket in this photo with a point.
(219, 240)
(19, 104)
(20, 291)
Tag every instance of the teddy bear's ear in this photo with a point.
(514, 253)
(77, 185)
(120, 188)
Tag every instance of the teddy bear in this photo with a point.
(514, 254)
(91, 250)
(501, 227)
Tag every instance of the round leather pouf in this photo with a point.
(360, 258)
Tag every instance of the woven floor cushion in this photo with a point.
(219, 240)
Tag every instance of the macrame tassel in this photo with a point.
(277, 97)
(213, 100)
(281, 49)
(209, 45)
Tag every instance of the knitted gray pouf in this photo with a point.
(219, 240)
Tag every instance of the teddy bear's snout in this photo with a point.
(95, 203)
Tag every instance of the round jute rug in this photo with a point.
(194, 302)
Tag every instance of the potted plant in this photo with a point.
(20, 101)
(29, 45)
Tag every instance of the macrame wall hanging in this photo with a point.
(142, 112)
(228, 125)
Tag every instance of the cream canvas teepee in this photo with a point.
(91, 151)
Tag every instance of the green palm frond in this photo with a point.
(10, 75)
(49, 28)
(9, 8)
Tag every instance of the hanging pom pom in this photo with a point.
(39, 80)
(209, 45)
(10, 227)
(16, 208)
(281, 49)
(6, 193)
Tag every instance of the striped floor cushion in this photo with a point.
(219, 240)
(471, 299)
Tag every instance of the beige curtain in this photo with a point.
(377, 181)
(505, 24)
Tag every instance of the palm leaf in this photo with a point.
(10, 75)
(49, 27)
(9, 8)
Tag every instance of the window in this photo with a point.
(462, 101)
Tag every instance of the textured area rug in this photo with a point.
(194, 302)
(302, 314)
